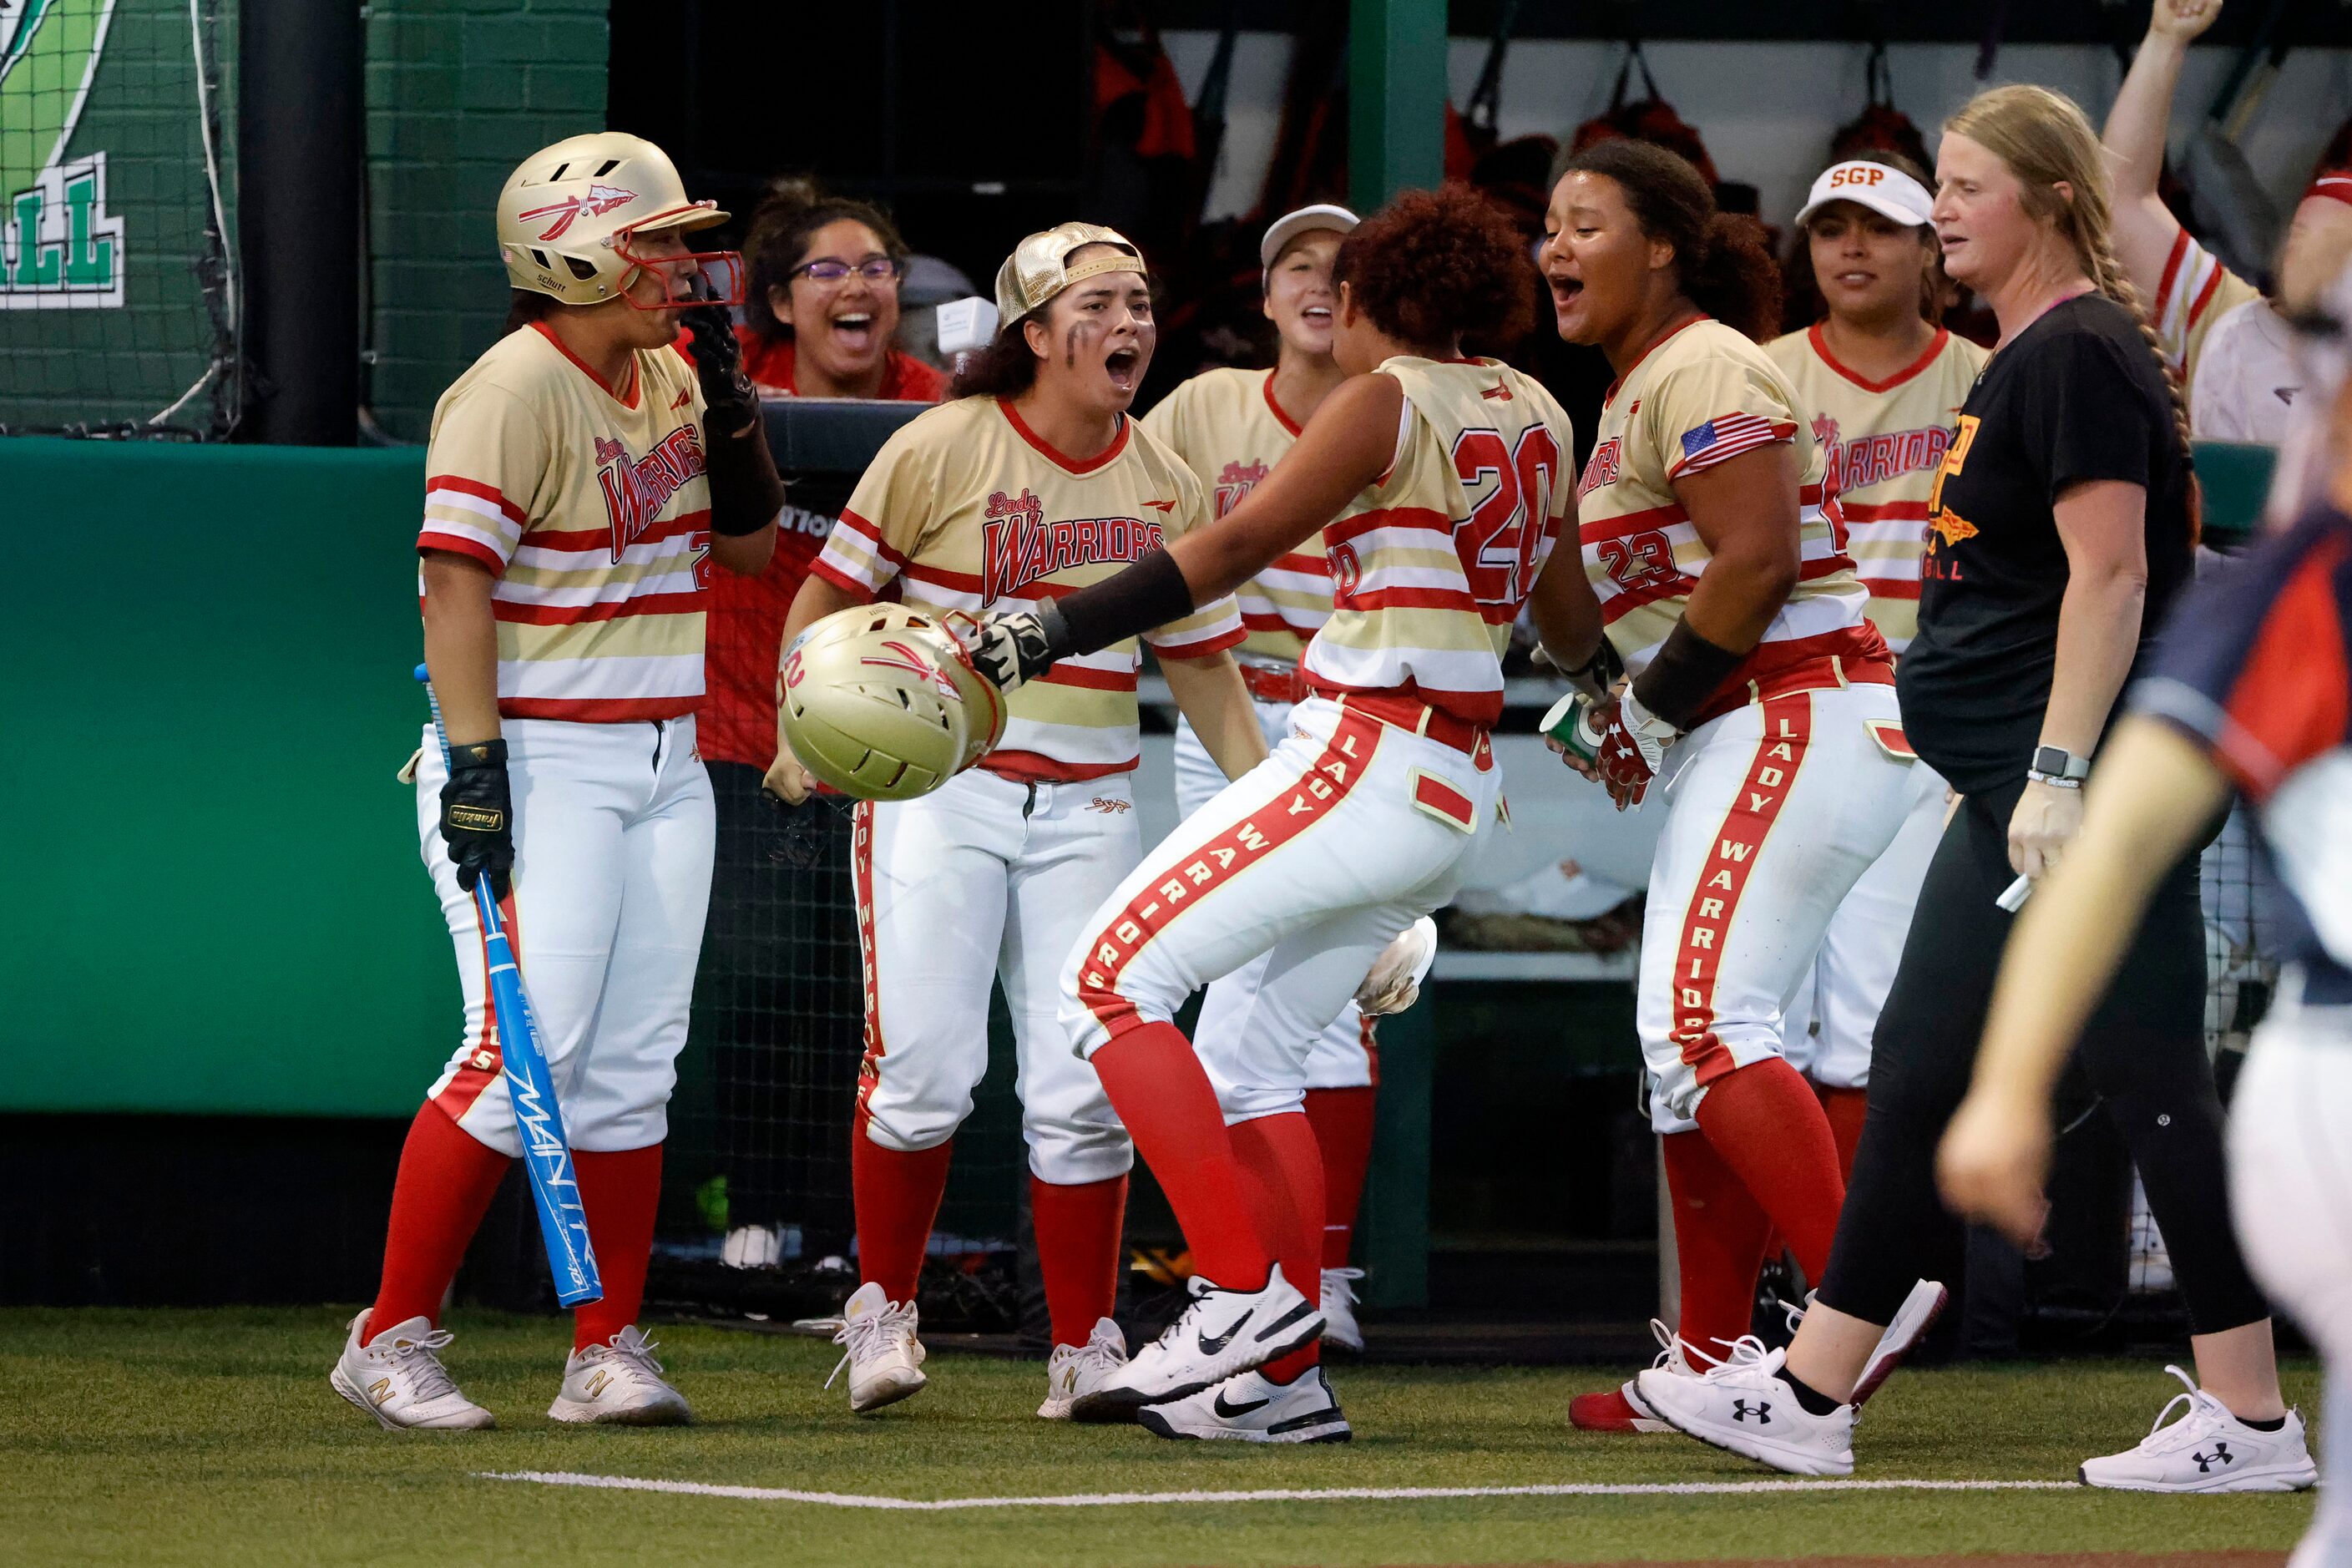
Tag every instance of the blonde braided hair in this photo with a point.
(2046, 140)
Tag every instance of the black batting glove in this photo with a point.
(730, 407)
(477, 816)
(1011, 647)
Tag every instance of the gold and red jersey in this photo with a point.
(1228, 428)
(1881, 442)
(967, 509)
(590, 505)
(1430, 566)
(1701, 396)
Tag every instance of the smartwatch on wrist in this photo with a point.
(2056, 765)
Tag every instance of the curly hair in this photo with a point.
(1432, 266)
(782, 226)
(1721, 259)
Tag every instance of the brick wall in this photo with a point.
(459, 91)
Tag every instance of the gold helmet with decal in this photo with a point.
(882, 702)
(568, 212)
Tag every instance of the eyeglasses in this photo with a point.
(873, 270)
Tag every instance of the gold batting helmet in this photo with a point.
(882, 702)
(568, 211)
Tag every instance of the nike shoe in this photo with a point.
(1253, 1408)
(1913, 1318)
(1622, 1409)
(884, 1357)
(1221, 1332)
(1339, 1327)
(397, 1377)
(1076, 1370)
(2207, 1450)
(619, 1383)
(1745, 1405)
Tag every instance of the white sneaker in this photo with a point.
(2207, 1450)
(1624, 1410)
(619, 1383)
(1221, 1332)
(1744, 1404)
(1339, 1327)
(1076, 1370)
(1394, 981)
(397, 1377)
(884, 1359)
(1913, 1318)
(1253, 1408)
(752, 1247)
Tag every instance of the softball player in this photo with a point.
(1031, 483)
(1444, 477)
(1883, 384)
(1760, 694)
(1232, 427)
(580, 476)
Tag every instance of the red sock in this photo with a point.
(1077, 1231)
(621, 1190)
(1765, 1123)
(1156, 1085)
(1342, 1120)
(1282, 1169)
(1845, 1107)
(447, 1177)
(1719, 1239)
(896, 1197)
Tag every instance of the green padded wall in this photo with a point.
(214, 900)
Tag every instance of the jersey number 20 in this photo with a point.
(1497, 545)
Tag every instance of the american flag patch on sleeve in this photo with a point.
(1726, 436)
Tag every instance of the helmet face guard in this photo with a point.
(720, 275)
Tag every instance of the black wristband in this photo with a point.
(1151, 593)
(1686, 672)
(476, 755)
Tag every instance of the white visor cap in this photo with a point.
(1884, 190)
(1305, 220)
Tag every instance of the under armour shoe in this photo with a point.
(1340, 1326)
(397, 1377)
(619, 1383)
(1221, 1332)
(1745, 1405)
(1621, 1409)
(884, 1357)
(2207, 1450)
(1253, 1408)
(1077, 1370)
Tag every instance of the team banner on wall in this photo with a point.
(60, 249)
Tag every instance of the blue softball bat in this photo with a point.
(531, 1089)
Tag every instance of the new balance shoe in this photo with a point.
(1339, 1309)
(1076, 1370)
(1621, 1409)
(1221, 1332)
(884, 1357)
(1913, 1318)
(1253, 1408)
(618, 1384)
(1745, 1405)
(2207, 1450)
(397, 1377)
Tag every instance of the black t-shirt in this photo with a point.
(2078, 396)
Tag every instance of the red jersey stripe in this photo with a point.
(473, 548)
(480, 491)
(690, 602)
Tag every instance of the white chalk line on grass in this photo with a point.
(1303, 1494)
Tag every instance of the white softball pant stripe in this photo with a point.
(1343, 1054)
(986, 880)
(2290, 1195)
(1774, 810)
(1830, 1020)
(1316, 860)
(615, 831)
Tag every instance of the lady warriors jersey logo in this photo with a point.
(1018, 545)
(636, 489)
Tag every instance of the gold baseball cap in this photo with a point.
(1039, 267)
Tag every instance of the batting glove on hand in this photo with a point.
(1634, 742)
(1011, 647)
(730, 405)
(477, 816)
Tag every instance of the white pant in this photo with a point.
(614, 832)
(1316, 858)
(1830, 1021)
(986, 878)
(1343, 1055)
(2291, 1197)
(1774, 810)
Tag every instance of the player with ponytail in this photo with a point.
(2062, 522)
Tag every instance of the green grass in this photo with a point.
(160, 1437)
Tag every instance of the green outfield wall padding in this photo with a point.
(213, 898)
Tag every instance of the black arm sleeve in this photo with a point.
(746, 491)
(1151, 593)
(1683, 675)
